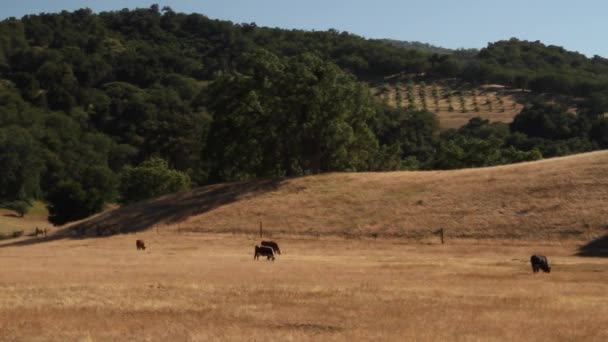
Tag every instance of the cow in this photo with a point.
(140, 244)
(266, 251)
(42, 232)
(274, 245)
(540, 262)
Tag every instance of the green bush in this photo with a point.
(150, 179)
(20, 207)
(14, 234)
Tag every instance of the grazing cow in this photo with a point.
(42, 232)
(272, 244)
(266, 251)
(140, 244)
(540, 262)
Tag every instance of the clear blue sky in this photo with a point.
(576, 25)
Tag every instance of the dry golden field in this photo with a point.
(552, 199)
(36, 217)
(362, 261)
(206, 287)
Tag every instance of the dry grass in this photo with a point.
(560, 198)
(334, 281)
(206, 287)
(36, 217)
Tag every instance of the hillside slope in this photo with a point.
(455, 105)
(35, 217)
(554, 198)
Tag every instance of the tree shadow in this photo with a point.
(33, 240)
(595, 248)
(168, 209)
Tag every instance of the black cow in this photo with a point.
(266, 251)
(140, 244)
(540, 262)
(272, 244)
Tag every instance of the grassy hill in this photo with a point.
(560, 198)
(36, 217)
(86, 95)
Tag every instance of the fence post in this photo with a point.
(441, 232)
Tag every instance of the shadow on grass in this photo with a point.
(168, 209)
(595, 248)
(31, 240)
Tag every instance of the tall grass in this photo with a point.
(205, 287)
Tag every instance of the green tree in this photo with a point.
(21, 207)
(67, 201)
(597, 103)
(177, 133)
(72, 199)
(599, 133)
(414, 132)
(287, 117)
(21, 168)
(544, 121)
(150, 179)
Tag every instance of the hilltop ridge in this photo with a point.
(554, 198)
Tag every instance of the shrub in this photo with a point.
(150, 179)
(21, 207)
(14, 234)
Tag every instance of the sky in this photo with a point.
(575, 25)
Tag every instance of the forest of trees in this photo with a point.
(121, 106)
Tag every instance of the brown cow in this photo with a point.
(39, 231)
(140, 244)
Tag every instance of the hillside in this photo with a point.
(36, 217)
(420, 46)
(455, 105)
(554, 198)
(85, 97)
